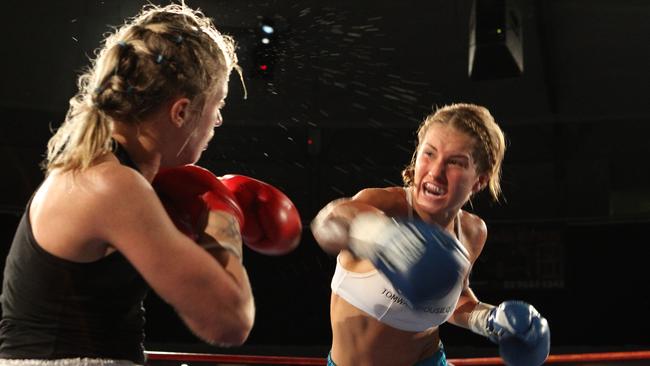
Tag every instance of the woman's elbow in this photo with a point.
(234, 336)
(229, 324)
(233, 331)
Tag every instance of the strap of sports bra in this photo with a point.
(123, 156)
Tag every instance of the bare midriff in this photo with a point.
(360, 340)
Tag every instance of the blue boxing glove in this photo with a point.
(423, 262)
(523, 335)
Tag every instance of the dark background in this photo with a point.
(349, 83)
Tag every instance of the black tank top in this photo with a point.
(54, 308)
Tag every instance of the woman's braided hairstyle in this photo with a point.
(477, 122)
(161, 53)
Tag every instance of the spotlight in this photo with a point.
(266, 48)
(268, 29)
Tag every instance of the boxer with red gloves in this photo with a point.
(268, 220)
(95, 239)
(272, 222)
(192, 197)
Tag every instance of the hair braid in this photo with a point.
(476, 122)
(162, 52)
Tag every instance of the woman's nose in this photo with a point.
(437, 168)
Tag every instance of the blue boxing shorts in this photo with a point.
(437, 359)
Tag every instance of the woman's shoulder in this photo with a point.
(112, 174)
(391, 200)
(106, 175)
(74, 207)
(472, 220)
(474, 231)
(105, 184)
(385, 194)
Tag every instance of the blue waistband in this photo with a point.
(437, 359)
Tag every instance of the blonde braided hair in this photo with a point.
(161, 53)
(477, 122)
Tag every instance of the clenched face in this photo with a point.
(445, 172)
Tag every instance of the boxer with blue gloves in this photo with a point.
(422, 261)
(523, 335)
(404, 254)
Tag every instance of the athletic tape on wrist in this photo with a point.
(366, 229)
(335, 229)
(478, 319)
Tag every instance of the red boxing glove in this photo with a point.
(189, 192)
(272, 222)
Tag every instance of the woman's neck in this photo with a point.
(140, 147)
(443, 218)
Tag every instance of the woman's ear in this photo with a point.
(179, 112)
(480, 183)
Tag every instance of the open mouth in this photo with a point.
(431, 189)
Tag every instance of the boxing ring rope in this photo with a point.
(286, 360)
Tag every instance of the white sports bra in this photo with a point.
(373, 294)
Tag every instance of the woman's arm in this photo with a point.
(331, 225)
(213, 297)
(475, 233)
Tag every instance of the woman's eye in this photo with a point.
(457, 162)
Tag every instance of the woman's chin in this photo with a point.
(432, 205)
